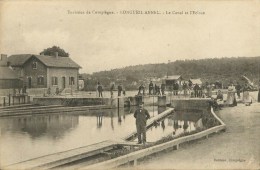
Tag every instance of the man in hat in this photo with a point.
(141, 115)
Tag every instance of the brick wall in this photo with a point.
(41, 70)
(62, 73)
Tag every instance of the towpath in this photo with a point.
(237, 148)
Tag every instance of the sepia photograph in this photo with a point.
(127, 84)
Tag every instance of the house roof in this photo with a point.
(7, 73)
(196, 81)
(173, 77)
(49, 61)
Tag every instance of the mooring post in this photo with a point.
(9, 99)
(135, 162)
(4, 101)
(118, 103)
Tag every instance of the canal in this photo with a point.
(31, 136)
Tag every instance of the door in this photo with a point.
(29, 82)
(63, 82)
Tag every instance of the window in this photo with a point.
(34, 65)
(54, 80)
(71, 81)
(40, 80)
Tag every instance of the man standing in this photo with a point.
(119, 88)
(196, 90)
(163, 88)
(100, 89)
(258, 92)
(150, 88)
(112, 87)
(141, 89)
(238, 88)
(141, 115)
(185, 87)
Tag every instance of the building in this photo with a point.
(170, 80)
(192, 82)
(40, 71)
(8, 77)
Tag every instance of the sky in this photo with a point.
(103, 42)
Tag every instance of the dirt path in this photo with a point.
(237, 148)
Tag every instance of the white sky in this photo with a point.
(101, 42)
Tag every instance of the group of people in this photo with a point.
(153, 89)
(112, 88)
(231, 97)
(156, 89)
(142, 115)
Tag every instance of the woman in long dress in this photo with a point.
(246, 97)
(231, 98)
(258, 92)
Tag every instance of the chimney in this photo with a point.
(3, 57)
(56, 54)
(3, 60)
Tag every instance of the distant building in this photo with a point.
(170, 80)
(40, 71)
(8, 78)
(195, 81)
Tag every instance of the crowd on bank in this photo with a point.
(190, 90)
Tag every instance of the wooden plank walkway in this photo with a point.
(61, 158)
(134, 156)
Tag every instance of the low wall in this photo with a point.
(14, 100)
(45, 101)
(148, 100)
(190, 103)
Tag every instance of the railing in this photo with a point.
(134, 156)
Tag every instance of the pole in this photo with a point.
(118, 103)
(153, 105)
(9, 99)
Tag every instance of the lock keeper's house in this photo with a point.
(41, 71)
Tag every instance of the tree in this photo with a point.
(51, 51)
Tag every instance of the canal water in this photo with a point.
(27, 137)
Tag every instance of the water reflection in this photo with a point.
(52, 126)
(175, 124)
(36, 135)
(99, 119)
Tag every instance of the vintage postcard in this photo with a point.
(112, 84)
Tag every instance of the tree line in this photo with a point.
(223, 70)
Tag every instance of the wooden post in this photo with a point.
(135, 162)
(9, 99)
(4, 101)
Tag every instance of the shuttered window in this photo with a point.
(40, 80)
(71, 81)
(54, 80)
